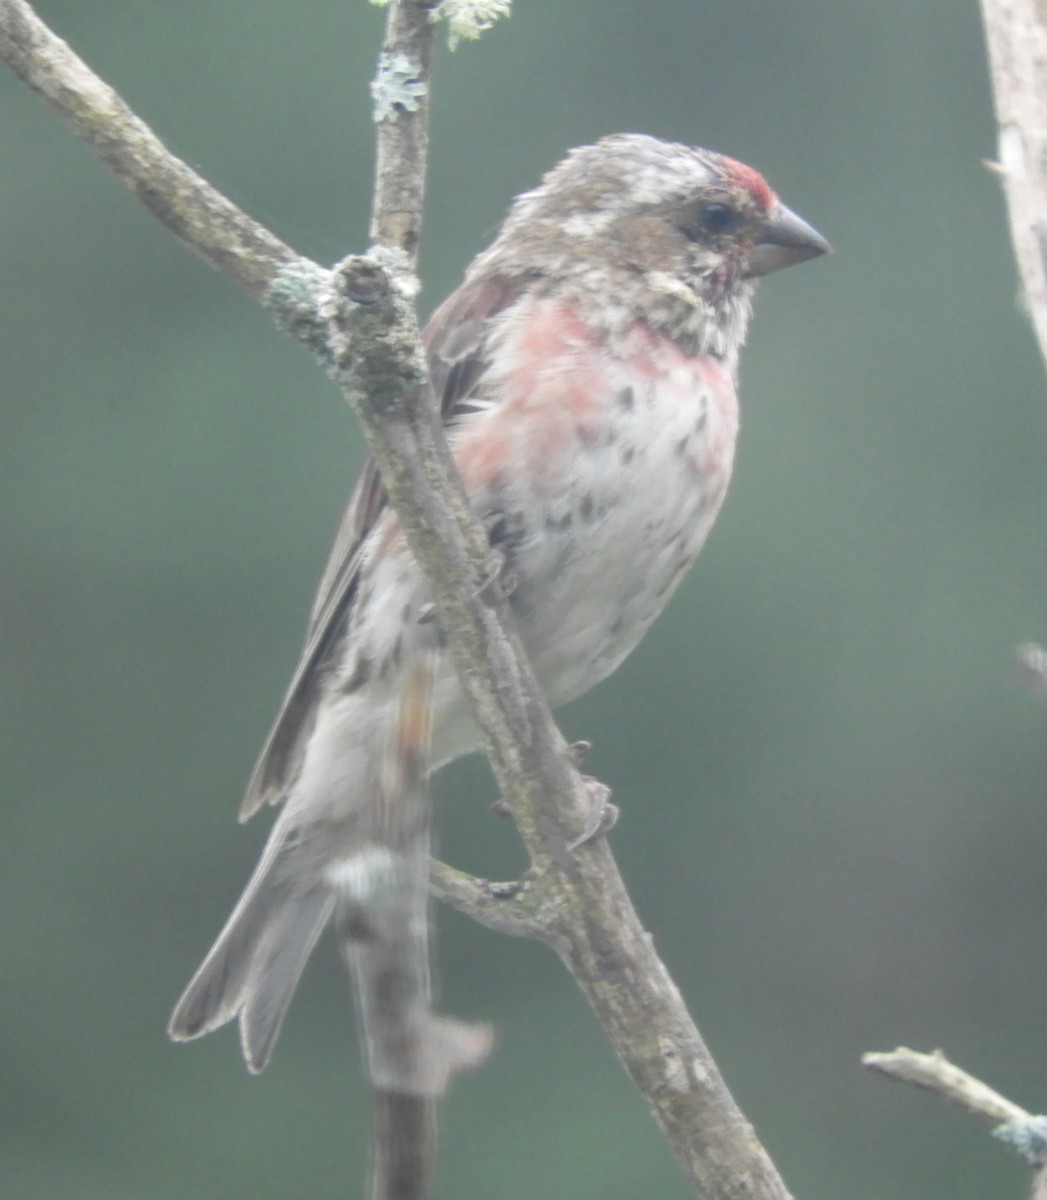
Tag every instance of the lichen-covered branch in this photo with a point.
(401, 111)
(405, 1087)
(1016, 35)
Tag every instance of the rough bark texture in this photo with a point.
(403, 135)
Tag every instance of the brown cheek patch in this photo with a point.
(753, 182)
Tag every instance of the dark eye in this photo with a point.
(717, 218)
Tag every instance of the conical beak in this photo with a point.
(786, 239)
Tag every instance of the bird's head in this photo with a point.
(672, 233)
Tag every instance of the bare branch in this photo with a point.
(935, 1073)
(1016, 34)
(1032, 660)
(514, 908)
(381, 921)
(1022, 1132)
(403, 1145)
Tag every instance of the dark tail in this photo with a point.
(254, 967)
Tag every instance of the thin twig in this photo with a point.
(514, 908)
(1010, 1124)
(935, 1073)
(1032, 660)
(401, 96)
(403, 1129)
(1016, 35)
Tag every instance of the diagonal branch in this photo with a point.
(516, 908)
(1016, 35)
(935, 1073)
(594, 927)
(1022, 1132)
(193, 210)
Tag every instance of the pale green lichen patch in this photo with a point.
(293, 298)
(396, 84)
(465, 19)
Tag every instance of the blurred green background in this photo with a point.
(831, 779)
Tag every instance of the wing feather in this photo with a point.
(455, 339)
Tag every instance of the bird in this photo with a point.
(586, 371)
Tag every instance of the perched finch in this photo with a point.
(586, 371)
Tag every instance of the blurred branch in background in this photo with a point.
(574, 895)
(1016, 35)
(1024, 1133)
(411, 1053)
(1032, 659)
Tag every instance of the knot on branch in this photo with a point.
(355, 317)
(363, 280)
(526, 907)
(372, 345)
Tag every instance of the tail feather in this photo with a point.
(254, 966)
(277, 966)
